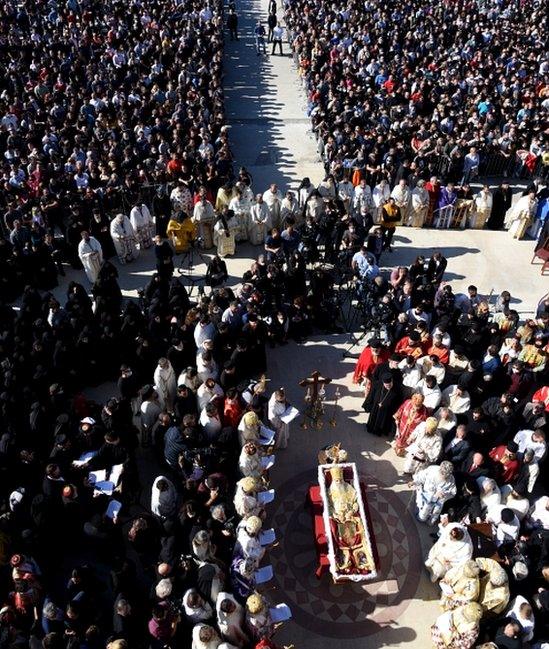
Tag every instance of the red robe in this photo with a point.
(407, 420)
(508, 471)
(542, 395)
(232, 413)
(404, 347)
(367, 363)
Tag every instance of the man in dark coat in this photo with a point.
(381, 404)
(501, 202)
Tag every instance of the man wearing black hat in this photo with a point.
(381, 404)
(506, 464)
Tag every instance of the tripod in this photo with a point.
(186, 268)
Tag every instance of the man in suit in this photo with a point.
(456, 446)
(475, 466)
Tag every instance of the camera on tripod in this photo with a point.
(197, 242)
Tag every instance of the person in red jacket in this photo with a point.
(372, 355)
(505, 461)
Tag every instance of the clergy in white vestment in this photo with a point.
(403, 198)
(143, 225)
(204, 216)
(276, 407)
(123, 236)
(165, 383)
(273, 200)
(91, 256)
(260, 221)
(230, 619)
(205, 637)
(453, 548)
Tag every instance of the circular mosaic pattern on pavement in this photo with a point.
(347, 610)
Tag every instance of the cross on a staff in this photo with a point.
(314, 381)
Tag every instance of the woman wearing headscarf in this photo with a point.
(164, 498)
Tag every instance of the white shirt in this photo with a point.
(524, 440)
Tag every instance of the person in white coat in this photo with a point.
(260, 221)
(273, 200)
(403, 198)
(363, 202)
(453, 548)
(248, 544)
(521, 215)
(143, 225)
(345, 192)
(124, 239)
(204, 217)
(482, 208)
(230, 619)
(164, 500)
(290, 209)
(425, 446)
(91, 256)
(165, 384)
(241, 204)
(205, 637)
(380, 196)
(276, 407)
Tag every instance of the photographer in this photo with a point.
(364, 265)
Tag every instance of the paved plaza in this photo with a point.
(271, 136)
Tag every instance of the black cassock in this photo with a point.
(382, 404)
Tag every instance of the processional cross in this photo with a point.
(313, 398)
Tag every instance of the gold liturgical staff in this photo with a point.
(314, 397)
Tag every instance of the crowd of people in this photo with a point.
(429, 94)
(113, 137)
(104, 107)
(461, 388)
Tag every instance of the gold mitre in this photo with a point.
(336, 473)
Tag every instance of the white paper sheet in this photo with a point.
(115, 474)
(97, 476)
(263, 575)
(267, 537)
(289, 415)
(280, 613)
(265, 497)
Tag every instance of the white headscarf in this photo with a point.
(163, 503)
